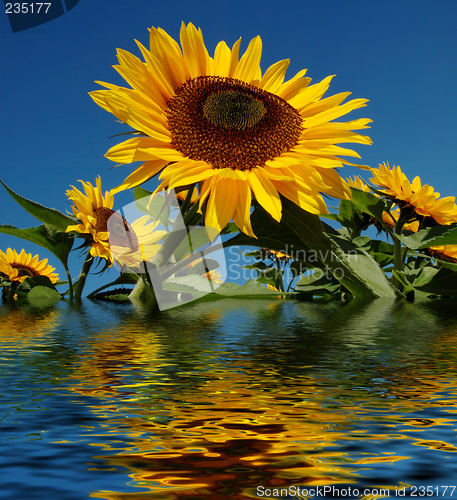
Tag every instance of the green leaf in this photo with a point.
(49, 216)
(118, 295)
(441, 281)
(41, 296)
(251, 287)
(123, 279)
(431, 237)
(57, 242)
(301, 235)
(368, 203)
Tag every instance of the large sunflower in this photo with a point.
(422, 199)
(17, 267)
(221, 122)
(108, 234)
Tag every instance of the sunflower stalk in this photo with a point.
(186, 203)
(398, 256)
(83, 276)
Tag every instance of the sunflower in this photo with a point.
(220, 122)
(17, 267)
(181, 195)
(444, 252)
(273, 254)
(109, 234)
(422, 199)
(145, 246)
(213, 276)
(358, 183)
(392, 218)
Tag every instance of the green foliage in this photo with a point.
(41, 296)
(49, 216)
(57, 242)
(431, 237)
(301, 235)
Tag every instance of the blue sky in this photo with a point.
(401, 55)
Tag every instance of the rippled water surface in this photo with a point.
(228, 399)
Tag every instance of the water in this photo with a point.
(229, 399)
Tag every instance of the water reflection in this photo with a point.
(215, 399)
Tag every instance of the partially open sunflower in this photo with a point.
(221, 122)
(18, 267)
(108, 234)
(422, 199)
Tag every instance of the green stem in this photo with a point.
(398, 258)
(70, 284)
(82, 277)
(186, 202)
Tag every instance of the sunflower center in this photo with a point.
(24, 270)
(231, 124)
(120, 232)
(232, 109)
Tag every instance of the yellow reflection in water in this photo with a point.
(20, 329)
(213, 429)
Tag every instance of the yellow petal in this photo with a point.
(143, 173)
(248, 68)
(222, 203)
(265, 193)
(222, 58)
(274, 76)
(242, 215)
(194, 51)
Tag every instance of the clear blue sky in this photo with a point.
(401, 55)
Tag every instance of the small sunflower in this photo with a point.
(145, 238)
(220, 122)
(109, 234)
(395, 213)
(445, 252)
(182, 195)
(358, 183)
(17, 267)
(213, 276)
(273, 254)
(422, 199)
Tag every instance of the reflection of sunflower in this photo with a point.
(109, 235)
(220, 122)
(422, 199)
(18, 267)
